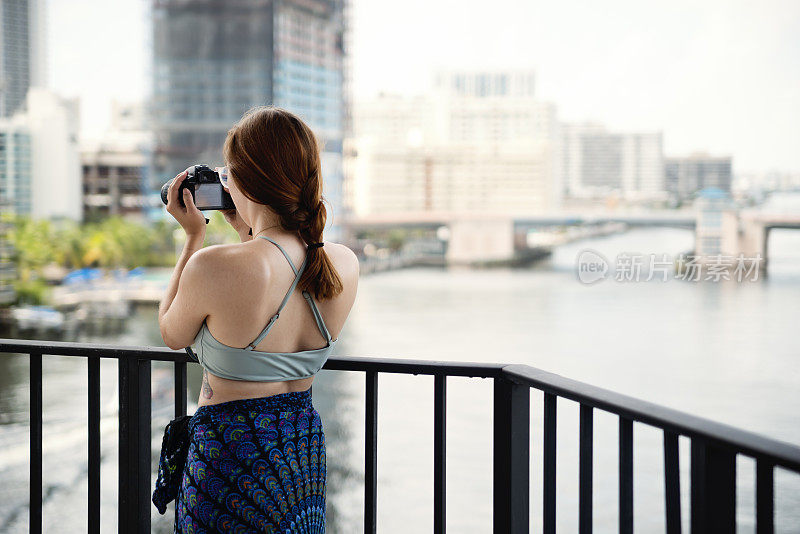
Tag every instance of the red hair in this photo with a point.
(274, 158)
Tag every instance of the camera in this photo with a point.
(206, 189)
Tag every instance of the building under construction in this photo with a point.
(214, 59)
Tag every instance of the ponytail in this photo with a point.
(274, 158)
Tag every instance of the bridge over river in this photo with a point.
(502, 237)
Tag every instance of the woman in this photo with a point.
(255, 447)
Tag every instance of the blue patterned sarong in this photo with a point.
(254, 465)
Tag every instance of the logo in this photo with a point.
(592, 266)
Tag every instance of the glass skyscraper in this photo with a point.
(214, 59)
(21, 52)
(15, 166)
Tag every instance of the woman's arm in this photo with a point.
(171, 326)
(181, 314)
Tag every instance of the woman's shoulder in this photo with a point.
(223, 263)
(217, 255)
(226, 266)
(342, 256)
(236, 259)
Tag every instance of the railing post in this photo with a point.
(35, 497)
(93, 449)
(180, 389)
(713, 488)
(371, 454)
(439, 454)
(134, 445)
(625, 476)
(585, 469)
(549, 465)
(511, 457)
(672, 482)
(765, 497)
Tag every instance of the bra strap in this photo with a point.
(317, 315)
(284, 252)
(274, 318)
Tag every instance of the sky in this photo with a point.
(716, 76)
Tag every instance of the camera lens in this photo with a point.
(164, 191)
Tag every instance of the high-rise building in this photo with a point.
(484, 83)
(511, 178)
(8, 270)
(39, 171)
(715, 230)
(22, 52)
(686, 176)
(215, 59)
(398, 120)
(112, 180)
(54, 124)
(39, 165)
(114, 168)
(480, 142)
(758, 182)
(491, 106)
(16, 169)
(597, 163)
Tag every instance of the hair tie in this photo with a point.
(316, 245)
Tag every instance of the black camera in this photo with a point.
(205, 187)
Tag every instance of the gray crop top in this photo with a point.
(249, 364)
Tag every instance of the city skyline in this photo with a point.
(717, 78)
(212, 61)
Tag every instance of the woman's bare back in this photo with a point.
(252, 281)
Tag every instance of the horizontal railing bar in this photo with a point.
(740, 441)
(335, 363)
(421, 367)
(65, 348)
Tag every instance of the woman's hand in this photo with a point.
(189, 217)
(235, 220)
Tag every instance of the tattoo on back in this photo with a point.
(207, 392)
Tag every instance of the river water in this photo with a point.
(724, 350)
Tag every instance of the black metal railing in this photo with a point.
(714, 446)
